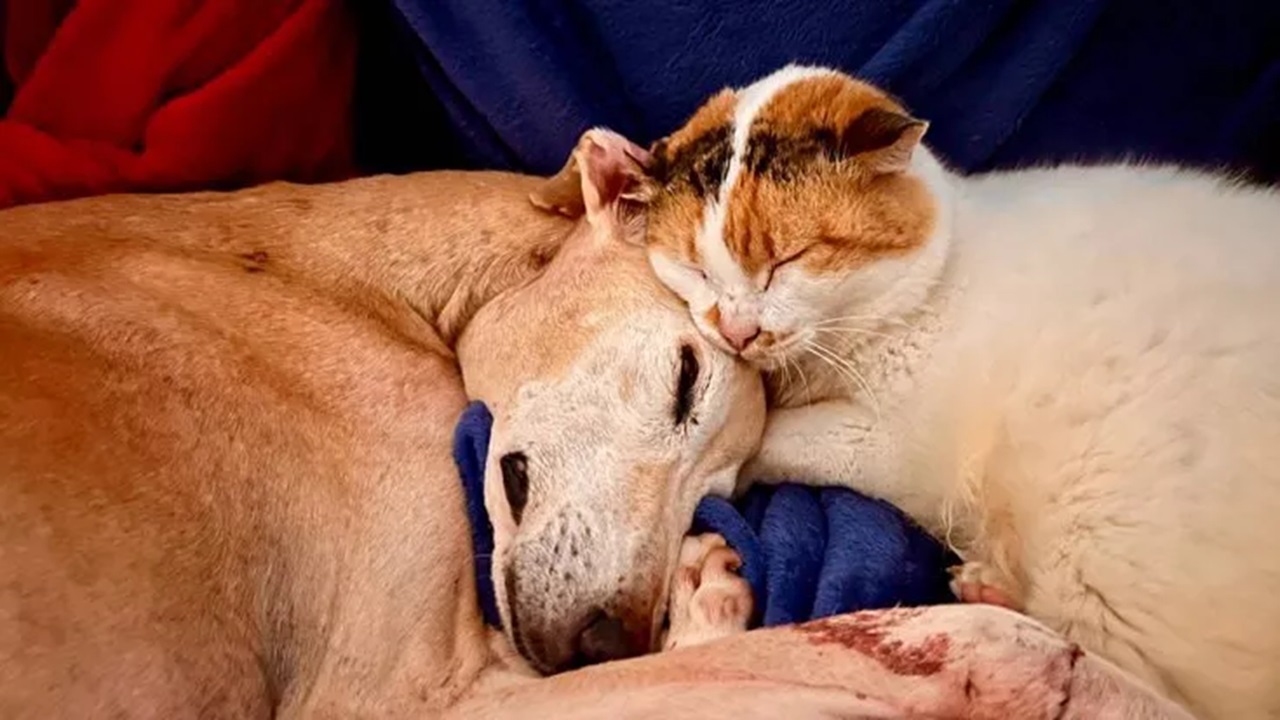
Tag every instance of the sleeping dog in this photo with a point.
(226, 487)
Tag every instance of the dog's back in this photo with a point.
(215, 430)
(121, 392)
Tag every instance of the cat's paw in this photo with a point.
(708, 598)
(976, 582)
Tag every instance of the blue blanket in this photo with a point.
(806, 552)
(1004, 82)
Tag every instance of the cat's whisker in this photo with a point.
(854, 331)
(786, 371)
(845, 368)
(869, 319)
(832, 359)
(805, 379)
(808, 391)
(787, 385)
(850, 318)
(825, 356)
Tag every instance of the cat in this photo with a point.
(1072, 374)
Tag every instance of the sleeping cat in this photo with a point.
(1071, 374)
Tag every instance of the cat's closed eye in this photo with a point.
(782, 262)
(693, 269)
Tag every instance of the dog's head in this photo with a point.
(613, 417)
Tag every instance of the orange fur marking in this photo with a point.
(830, 213)
(673, 219)
(714, 114)
(828, 221)
(831, 101)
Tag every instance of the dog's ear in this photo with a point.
(561, 193)
(605, 173)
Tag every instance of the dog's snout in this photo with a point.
(515, 481)
(567, 599)
(606, 638)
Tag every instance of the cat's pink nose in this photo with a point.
(738, 331)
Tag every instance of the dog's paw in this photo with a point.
(976, 582)
(708, 598)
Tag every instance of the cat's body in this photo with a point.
(1072, 374)
(1093, 414)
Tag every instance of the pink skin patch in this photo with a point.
(614, 165)
(974, 582)
(971, 593)
(870, 634)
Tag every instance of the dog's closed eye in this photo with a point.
(685, 383)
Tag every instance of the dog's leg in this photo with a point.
(708, 600)
(955, 661)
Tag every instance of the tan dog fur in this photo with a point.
(586, 388)
(225, 426)
(226, 487)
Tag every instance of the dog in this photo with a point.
(226, 487)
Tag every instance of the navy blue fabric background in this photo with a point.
(510, 84)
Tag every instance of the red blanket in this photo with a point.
(150, 95)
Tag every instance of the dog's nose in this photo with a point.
(738, 331)
(606, 638)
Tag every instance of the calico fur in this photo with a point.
(1073, 374)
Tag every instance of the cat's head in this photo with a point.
(792, 211)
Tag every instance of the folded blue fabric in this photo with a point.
(806, 552)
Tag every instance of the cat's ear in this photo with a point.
(605, 173)
(883, 140)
